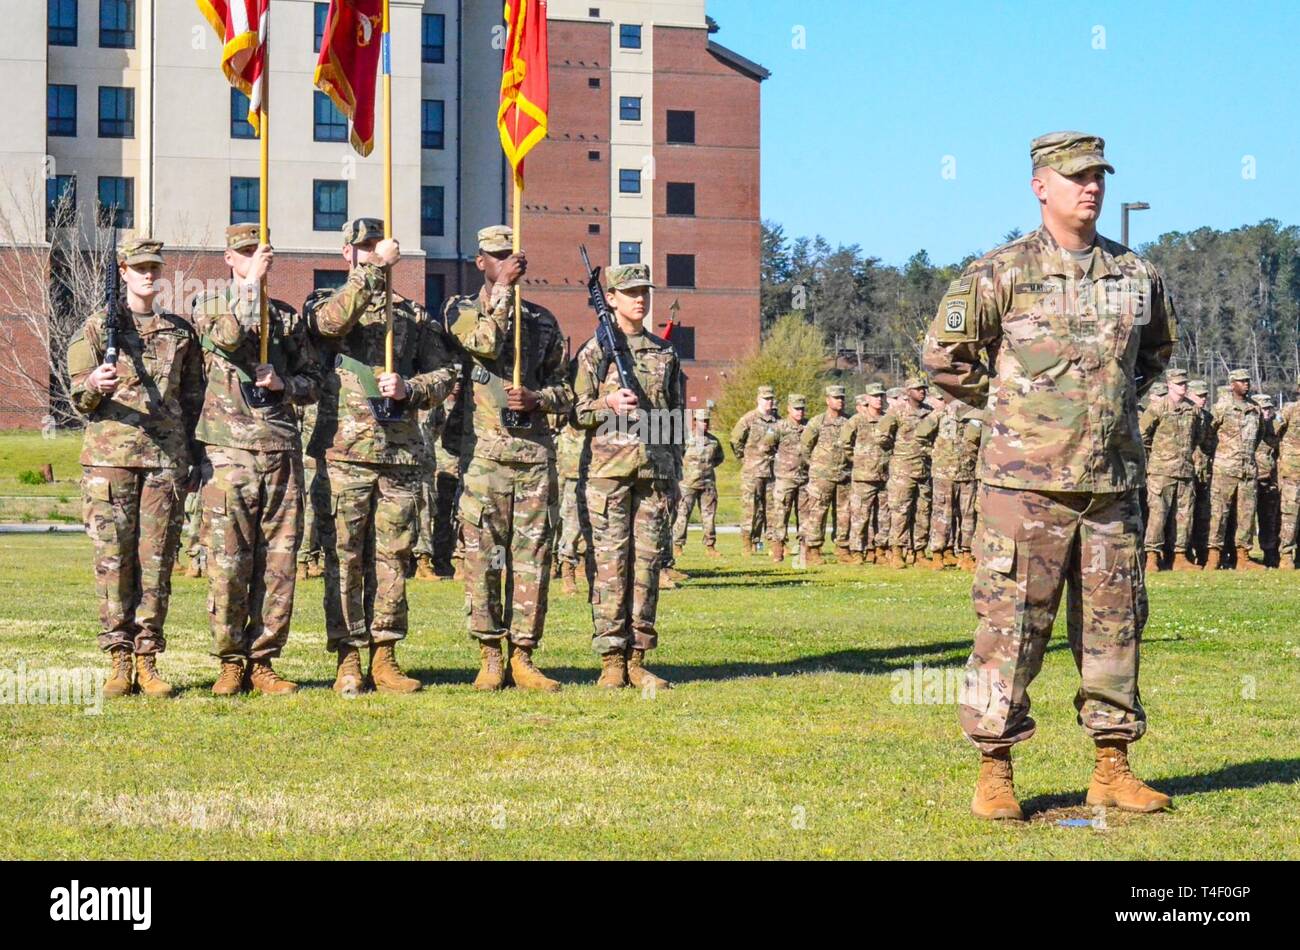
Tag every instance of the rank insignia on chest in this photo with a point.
(954, 316)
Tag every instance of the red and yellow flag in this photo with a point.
(349, 55)
(525, 82)
(241, 24)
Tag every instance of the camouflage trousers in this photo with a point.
(1289, 522)
(755, 494)
(1168, 495)
(866, 505)
(909, 505)
(570, 531)
(707, 498)
(1031, 545)
(668, 557)
(1201, 517)
(133, 517)
(426, 504)
(825, 498)
(952, 515)
(192, 535)
(1268, 516)
(373, 509)
(505, 510)
(625, 519)
(788, 498)
(252, 517)
(1229, 496)
(446, 523)
(317, 529)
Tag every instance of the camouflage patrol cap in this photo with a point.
(1159, 389)
(916, 382)
(1263, 400)
(796, 401)
(1199, 386)
(240, 236)
(834, 391)
(1239, 376)
(702, 415)
(360, 230)
(1069, 152)
(141, 250)
(627, 276)
(860, 399)
(1176, 376)
(766, 392)
(874, 389)
(496, 239)
(894, 392)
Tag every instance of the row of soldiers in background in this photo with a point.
(190, 407)
(896, 479)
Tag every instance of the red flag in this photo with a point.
(241, 24)
(345, 70)
(525, 82)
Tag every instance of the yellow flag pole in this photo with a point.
(263, 196)
(388, 186)
(519, 329)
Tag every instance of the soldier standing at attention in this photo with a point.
(1171, 430)
(952, 475)
(626, 474)
(699, 483)
(828, 480)
(432, 422)
(1060, 331)
(1236, 424)
(910, 429)
(1288, 473)
(568, 464)
(1268, 498)
(756, 452)
(861, 439)
(789, 473)
(315, 506)
(1202, 459)
(373, 468)
(252, 501)
(138, 455)
(508, 485)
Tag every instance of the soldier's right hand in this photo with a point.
(104, 379)
(621, 401)
(261, 262)
(387, 253)
(511, 269)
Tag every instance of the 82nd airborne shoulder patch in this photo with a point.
(954, 315)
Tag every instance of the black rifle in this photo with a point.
(112, 291)
(613, 345)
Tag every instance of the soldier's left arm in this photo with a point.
(556, 393)
(716, 456)
(85, 353)
(302, 365)
(808, 441)
(437, 370)
(336, 315)
(927, 430)
(960, 343)
(193, 388)
(481, 329)
(1157, 335)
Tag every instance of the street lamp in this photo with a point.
(1125, 208)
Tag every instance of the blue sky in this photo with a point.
(856, 126)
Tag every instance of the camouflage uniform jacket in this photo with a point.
(1060, 353)
(957, 443)
(1288, 431)
(701, 457)
(148, 422)
(350, 322)
(788, 464)
(1266, 452)
(568, 450)
(1236, 425)
(827, 460)
(484, 332)
(227, 326)
(912, 431)
(749, 442)
(635, 450)
(863, 435)
(1171, 433)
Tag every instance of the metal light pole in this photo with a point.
(1125, 208)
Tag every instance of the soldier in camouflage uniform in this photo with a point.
(196, 548)
(895, 399)
(508, 485)
(1171, 429)
(252, 501)
(829, 468)
(750, 443)
(1060, 331)
(448, 544)
(861, 440)
(1288, 473)
(1268, 498)
(373, 468)
(568, 464)
(627, 465)
(789, 474)
(910, 430)
(1236, 425)
(702, 455)
(138, 457)
(432, 422)
(952, 478)
(316, 533)
(1202, 459)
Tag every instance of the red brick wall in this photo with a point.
(21, 346)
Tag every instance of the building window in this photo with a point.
(681, 127)
(328, 279)
(593, 156)
(593, 229)
(432, 115)
(629, 36)
(593, 12)
(433, 38)
(60, 110)
(629, 108)
(681, 270)
(60, 200)
(629, 181)
(435, 292)
(245, 200)
(116, 202)
(681, 197)
(593, 82)
(431, 221)
(683, 341)
(329, 205)
(117, 24)
(319, 12)
(240, 127)
(330, 124)
(116, 112)
(61, 23)
(629, 252)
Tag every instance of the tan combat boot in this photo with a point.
(492, 674)
(666, 581)
(711, 551)
(1152, 562)
(933, 561)
(1113, 784)
(869, 556)
(195, 568)
(1244, 563)
(263, 679)
(348, 681)
(995, 790)
(1215, 563)
(639, 676)
(147, 679)
(950, 559)
(120, 681)
(1183, 563)
(424, 568)
(897, 558)
(812, 557)
(386, 674)
(1286, 564)
(569, 578)
(230, 681)
(778, 552)
(525, 674)
(966, 563)
(315, 569)
(844, 555)
(302, 570)
(613, 670)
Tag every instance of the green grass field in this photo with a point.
(24, 451)
(780, 740)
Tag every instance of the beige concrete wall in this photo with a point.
(23, 165)
(482, 177)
